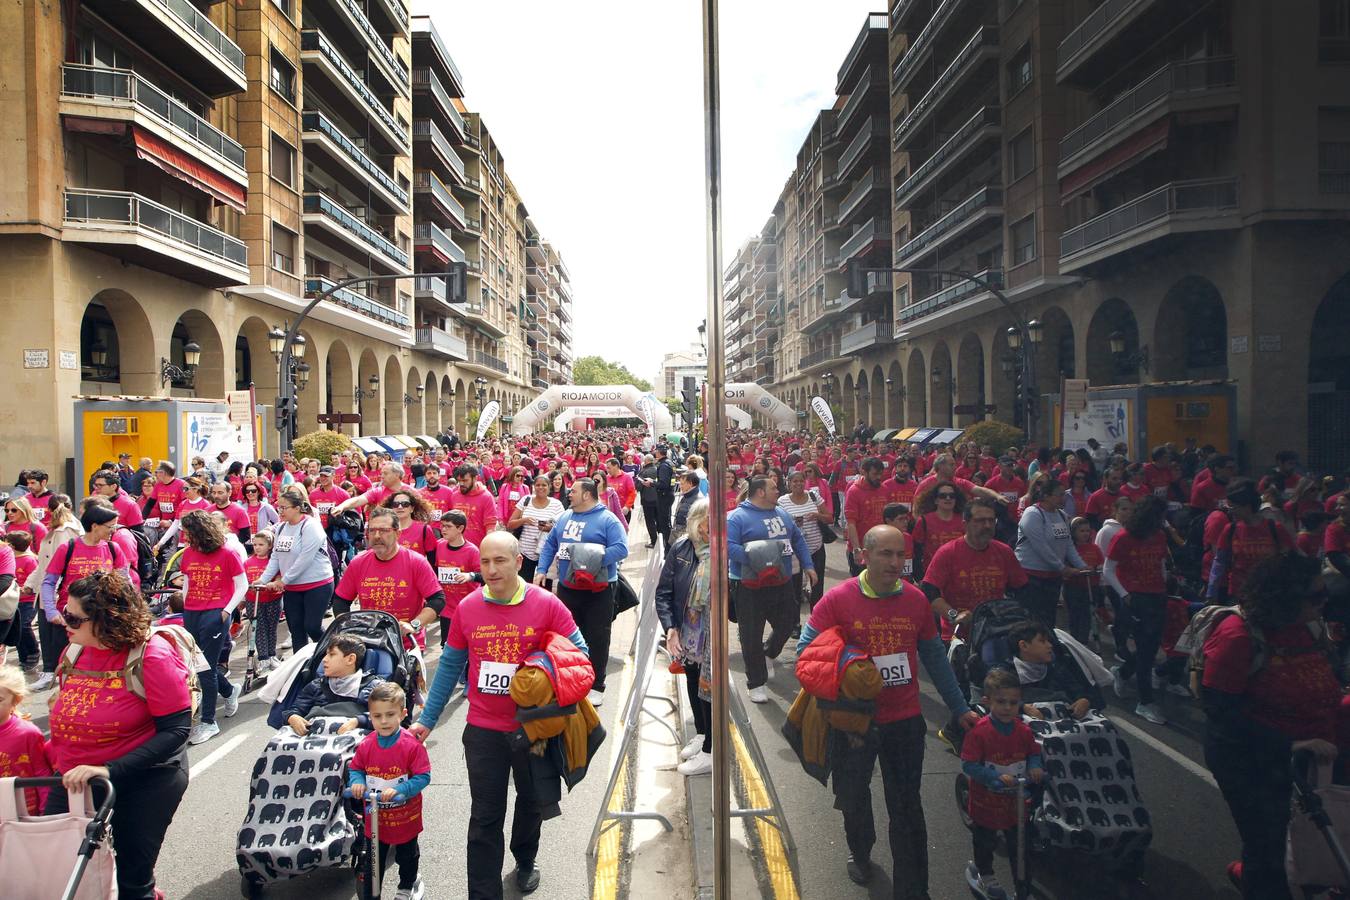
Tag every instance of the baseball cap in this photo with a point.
(326, 470)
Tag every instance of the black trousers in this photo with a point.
(650, 515)
(1078, 603)
(21, 633)
(490, 762)
(593, 612)
(1041, 598)
(53, 640)
(778, 607)
(899, 748)
(664, 504)
(408, 857)
(1257, 790)
(818, 563)
(984, 841)
(145, 805)
(702, 709)
(304, 613)
(1142, 618)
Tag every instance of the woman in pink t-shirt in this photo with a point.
(131, 731)
(213, 585)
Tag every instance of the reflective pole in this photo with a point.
(714, 425)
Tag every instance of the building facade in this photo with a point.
(1163, 186)
(677, 366)
(193, 174)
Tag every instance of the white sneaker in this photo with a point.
(759, 695)
(1123, 688)
(768, 667)
(1180, 690)
(203, 732)
(285, 644)
(412, 893)
(1158, 683)
(596, 698)
(269, 665)
(231, 703)
(45, 680)
(699, 764)
(694, 746)
(1150, 712)
(986, 886)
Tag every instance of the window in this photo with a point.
(1333, 31)
(1333, 150)
(285, 7)
(1021, 155)
(282, 162)
(283, 249)
(282, 76)
(1019, 70)
(1024, 240)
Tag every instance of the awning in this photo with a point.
(886, 435)
(947, 436)
(182, 166)
(368, 445)
(904, 434)
(1126, 153)
(924, 435)
(427, 441)
(95, 126)
(391, 446)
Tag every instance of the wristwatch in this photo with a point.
(952, 613)
(416, 625)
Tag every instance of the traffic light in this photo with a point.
(458, 279)
(857, 280)
(690, 394)
(286, 408)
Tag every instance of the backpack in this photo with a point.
(1202, 625)
(586, 569)
(145, 556)
(766, 564)
(178, 637)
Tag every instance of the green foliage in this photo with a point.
(675, 405)
(999, 435)
(598, 370)
(320, 445)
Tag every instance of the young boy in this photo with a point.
(390, 760)
(457, 565)
(897, 516)
(994, 753)
(1044, 679)
(342, 680)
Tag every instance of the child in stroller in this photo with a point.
(342, 684)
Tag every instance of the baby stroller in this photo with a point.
(166, 584)
(1090, 802)
(297, 818)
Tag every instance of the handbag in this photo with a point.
(39, 853)
(827, 534)
(9, 601)
(625, 598)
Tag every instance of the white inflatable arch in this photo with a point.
(753, 398)
(558, 398)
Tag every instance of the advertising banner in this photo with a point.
(205, 434)
(822, 411)
(490, 413)
(1109, 421)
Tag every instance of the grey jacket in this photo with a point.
(299, 553)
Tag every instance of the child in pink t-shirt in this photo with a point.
(23, 750)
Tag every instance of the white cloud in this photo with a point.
(598, 108)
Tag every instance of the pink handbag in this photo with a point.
(40, 855)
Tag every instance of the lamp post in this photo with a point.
(192, 356)
(358, 395)
(1139, 359)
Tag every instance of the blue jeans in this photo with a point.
(209, 629)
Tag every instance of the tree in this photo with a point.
(598, 370)
(675, 405)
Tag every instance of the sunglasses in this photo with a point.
(401, 503)
(11, 509)
(946, 496)
(73, 622)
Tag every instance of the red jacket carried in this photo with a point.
(568, 669)
(821, 665)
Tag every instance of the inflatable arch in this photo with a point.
(753, 398)
(558, 398)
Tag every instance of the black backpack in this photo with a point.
(145, 556)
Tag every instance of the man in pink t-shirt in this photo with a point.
(391, 482)
(393, 579)
(326, 495)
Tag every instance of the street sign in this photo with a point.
(339, 418)
(1075, 395)
(966, 409)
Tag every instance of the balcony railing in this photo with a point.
(1200, 196)
(872, 230)
(373, 39)
(983, 198)
(125, 208)
(873, 180)
(193, 18)
(950, 295)
(331, 209)
(429, 233)
(816, 357)
(311, 39)
(907, 64)
(424, 180)
(427, 130)
(951, 148)
(96, 82)
(875, 20)
(496, 363)
(366, 306)
(315, 121)
(1093, 25)
(984, 39)
(425, 26)
(424, 77)
(856, 98)
(875, 127)
(438, 341)
(870, 334)
(1177, 79)
(435, 288)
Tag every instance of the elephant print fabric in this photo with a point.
(296, 819)
(1091, 802)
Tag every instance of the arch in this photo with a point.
(941, 379)
(209, 379)
(431, 407)
(391, 385)
(415, 411)
(258, 366)
(114, 325)
(970, 379)
(1329, 380)
(1190, 337)
(916, 396)
(557, 398)
(372, 422)
(1055, 356)
(459, 406)
(1004, 380)
(862, 399)
(895, 396)
(847, 406)
(309, 401)
(1103, 367)
(339, 383)
(876, 413)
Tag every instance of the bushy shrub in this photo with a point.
(999, 435)
(320, 445)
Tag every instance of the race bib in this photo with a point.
(436, 515)
(895, 669)
(908, 570)
(564, 551)
(495, 677)
(166, 506)
(284, 543)
(446, 574)
(325, 508)
(1059, 530)
(1160, 493)
(1010, 496)
(152, 523)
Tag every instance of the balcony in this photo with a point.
(863, 141)
(485, 360)
(830, 308)
(536, 251)
(182, 38)
(866, 337)
(425, 81)
(537, 278)
(426, 184)
(875, 22)
(984, 204)
(541, 383)
(879, 288)
(142, 231)
(1177, 208)
(817, 358)
(478, 315)
(950, 295)
(387, 64)
(424, 130)
(396, 12)
(874, 230)
(434, 292)
(357, 302)
(319, 130)
(424, 30)
(908, 64)
(980, 49)
(983, 127)
(537, 302)
(440, 343)
(428, 237)
(1113, 32)
(869, 187)
(333, 217)
(863, 91)
(318, 51)
(1179, 87)
(121, 95)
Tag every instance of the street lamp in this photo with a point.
(301, 375)
(1139, 359)
(192, 355)
(358, 395)
(480, 390)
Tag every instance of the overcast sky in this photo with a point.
(598, 108)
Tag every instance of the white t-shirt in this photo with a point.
(804, 514)
(530, 535)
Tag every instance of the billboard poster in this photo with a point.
(1109, 421)
(205, 434)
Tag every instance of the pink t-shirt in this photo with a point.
(378, 494)
(23, 754)
(387, 767)
(188, 506)
(128, 510)
(96, 717)
(441, 500)
(235, 516)
(7, 565)
(452, 560)
(101, 557)
(210, 577)
(168, 497)
(399, 586)
(36, 529)
(254, 567)
(127, 544)
(323, 501)
(504, 634)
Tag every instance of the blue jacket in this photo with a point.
(595, 526)
(748, 522)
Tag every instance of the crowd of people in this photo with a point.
(526, 535)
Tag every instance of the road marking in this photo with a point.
(781, 880)
(217, 754)
(1176, 756)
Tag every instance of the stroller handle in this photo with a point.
(105, 808)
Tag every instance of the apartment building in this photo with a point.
(739, 299)
(1164, 187)
(188, 176)
(675, 367)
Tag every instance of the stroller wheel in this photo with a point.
(963, 799)
(251, 886)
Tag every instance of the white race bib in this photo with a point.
(446, 574)
(284, 543)
(436, 514)
(1060, 531)
(1160, 493)
(1010, 496)
(495, 677)
(152, 523)
(895, 669)
(325, 508)
(908, 570)
(166, 506)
